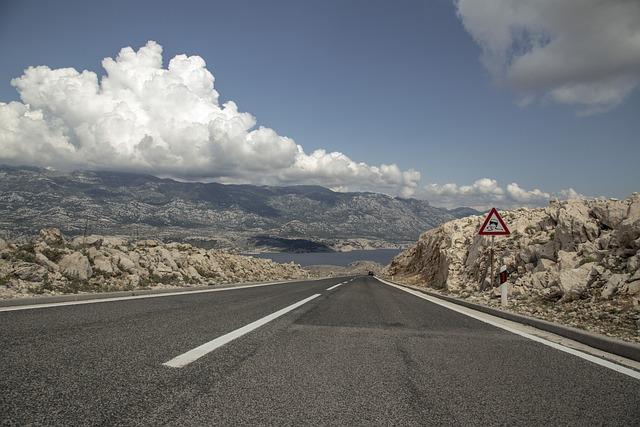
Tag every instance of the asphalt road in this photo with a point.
(363, 353)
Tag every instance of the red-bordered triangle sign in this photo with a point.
(494, 225)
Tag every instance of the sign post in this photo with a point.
(491, 263)
(493, 226)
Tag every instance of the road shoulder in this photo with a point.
(520, 328)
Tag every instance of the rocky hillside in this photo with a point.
(208, 214)
(51, 264)
(576, 262)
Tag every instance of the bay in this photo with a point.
(381, 256)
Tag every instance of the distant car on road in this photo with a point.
(371, 273)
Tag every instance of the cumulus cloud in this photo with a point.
(584, 53)
(143, 117)
(485, 193)
(569, 193)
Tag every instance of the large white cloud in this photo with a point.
(166, 121)
(584, 53)
(485, 193)
(143, 117)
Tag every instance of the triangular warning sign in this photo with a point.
(494, 225)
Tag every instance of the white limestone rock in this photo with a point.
(45, 262)
(52, 236)
(612, 285)
(76, 265)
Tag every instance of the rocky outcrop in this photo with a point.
(571, 253)
(51, 264)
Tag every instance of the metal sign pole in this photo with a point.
(491, 264)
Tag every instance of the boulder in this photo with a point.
(553, 293)
(113, 241)
(192, 273)
(575, 225)
(3, 244)
(102, 264)
(603, 242)
(76, 265)
(161, 270)
(610, 213)
(567, 260)
(544, 265)
(573, 282)
(92, 253)
(86, 241)
(46, 262)
(546, 250)
(612, 285)
(167, 259)
(148, 243)
(629, 229)
(633, 288)
(133, 280)
(30, 272)
(52, 237)
(122, 261)
(544, 279)
(527, 255)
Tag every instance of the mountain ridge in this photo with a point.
(224, 215)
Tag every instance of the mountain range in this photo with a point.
(210, 214)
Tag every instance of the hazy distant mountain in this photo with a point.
(227, 215)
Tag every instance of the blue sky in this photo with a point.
(382, 82)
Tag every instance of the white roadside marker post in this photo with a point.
(504, 288)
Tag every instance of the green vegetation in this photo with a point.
(27, 247)
(26, 253)
(103, 274)
(587, 260)
(74, 284)
(46, 286)
(153, 279)
(53, 254)
(204, 273)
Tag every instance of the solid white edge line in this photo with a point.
(168, 294)
(451, 306)
(196, 353)
(335, 286)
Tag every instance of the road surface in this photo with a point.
(362, 353)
